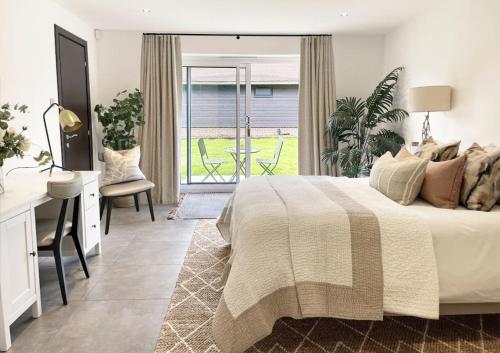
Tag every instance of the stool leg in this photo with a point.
(103, 205)
(80, 254)
(108, 214)
(150, 203)
(136, 201)
(60, 273)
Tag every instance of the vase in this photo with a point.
(2, 181)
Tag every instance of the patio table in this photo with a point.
(232, 151)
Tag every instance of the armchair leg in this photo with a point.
(103, 205)
(108, 214)
(150, 203)
(136, 201)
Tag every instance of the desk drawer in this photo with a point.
(92, 228)
(90, 194)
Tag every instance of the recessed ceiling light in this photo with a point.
(146, 10)
(344, 14)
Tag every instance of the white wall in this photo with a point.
(28, 66)
(358, 59)
(358, 64)
(457, 44)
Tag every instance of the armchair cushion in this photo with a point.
(128, 188)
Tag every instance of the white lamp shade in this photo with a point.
(430, 99)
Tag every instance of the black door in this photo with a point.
(74, 94)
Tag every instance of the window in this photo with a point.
(263, 92)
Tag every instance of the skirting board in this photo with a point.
(464, 309)
(469, 308)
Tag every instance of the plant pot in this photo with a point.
(123, 202)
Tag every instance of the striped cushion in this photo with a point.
(481, 184)
(399, 180)
(436, 152)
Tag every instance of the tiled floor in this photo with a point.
(121, 307)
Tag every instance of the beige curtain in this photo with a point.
(161, 85)
(316, 102)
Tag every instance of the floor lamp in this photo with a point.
(69, 122)
(429, 99)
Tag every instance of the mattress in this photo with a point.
(467, 249)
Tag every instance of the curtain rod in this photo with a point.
(235, 35)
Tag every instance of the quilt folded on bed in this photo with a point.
(319, 247)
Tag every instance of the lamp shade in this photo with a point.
(69, 121)
(430, 99)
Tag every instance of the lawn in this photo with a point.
(215, 149)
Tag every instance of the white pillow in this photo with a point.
(122, 166)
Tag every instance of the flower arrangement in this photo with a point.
(14, 143)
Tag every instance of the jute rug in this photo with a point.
(187, 325)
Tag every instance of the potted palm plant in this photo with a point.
(359, 129)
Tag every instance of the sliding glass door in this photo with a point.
(215, 130)
(239, 120)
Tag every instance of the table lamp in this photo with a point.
(429, 99)
(69, 122)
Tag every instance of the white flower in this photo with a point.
(25, 144)
(11, 130)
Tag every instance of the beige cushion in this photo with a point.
(443, 181)
(437, 152)
(404, 154)
(399, 180)
(46, 231)
(65, 189)
(480, 187)
(122, 166)
(127, 188)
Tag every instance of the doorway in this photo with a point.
(255, 103)
(74, 94)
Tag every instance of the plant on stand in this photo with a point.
(359, 129)
(14, 143)
(119, 122)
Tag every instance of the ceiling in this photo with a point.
(249, 16)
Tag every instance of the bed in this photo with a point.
(334, 247)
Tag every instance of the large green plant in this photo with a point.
(120, 119)
(359, 130)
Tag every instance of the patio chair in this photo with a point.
(268, 165)
(211, 165)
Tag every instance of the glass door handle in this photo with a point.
(247, 125)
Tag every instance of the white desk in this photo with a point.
(19, 278)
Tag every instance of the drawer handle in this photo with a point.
(94, 226)
(92, 194)
(33, 253)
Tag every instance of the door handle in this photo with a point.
(247, 125)
(69, 137)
